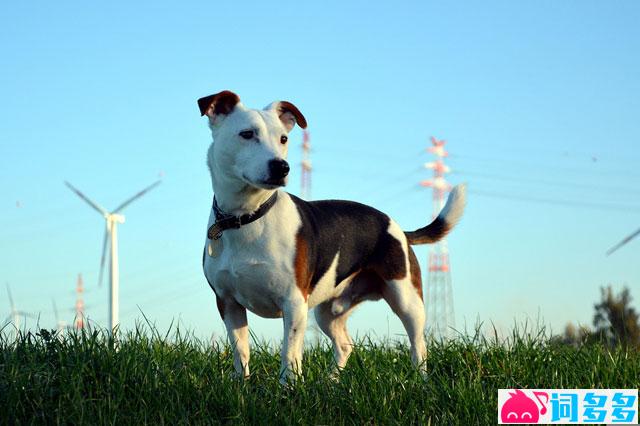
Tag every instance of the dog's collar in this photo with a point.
(226, 221)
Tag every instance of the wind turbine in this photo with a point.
(112, 220)
(14, 316)
(623, 242)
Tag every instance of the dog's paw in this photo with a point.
(424, 373)
(240, 376)
(289, 378)
(334, 374)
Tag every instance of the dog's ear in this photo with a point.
(220, 104)
(289, 114)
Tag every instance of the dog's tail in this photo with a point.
(446, 220)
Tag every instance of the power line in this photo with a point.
(510, 178)
(593, 171)
(546, 153)
(165, 298)
(568, 203)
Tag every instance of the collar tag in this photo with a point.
(215, 232)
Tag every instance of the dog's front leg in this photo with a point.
(295, 323)
(235, 320)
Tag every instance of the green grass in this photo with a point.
(145, 378)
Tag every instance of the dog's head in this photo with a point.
(250, 145)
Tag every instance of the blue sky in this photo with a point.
(539, 102)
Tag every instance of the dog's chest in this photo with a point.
(255, 263)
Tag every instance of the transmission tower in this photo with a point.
(79, 321)
(305, 190)
(305, 194)
(439, 297)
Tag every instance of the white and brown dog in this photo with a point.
(279, 256)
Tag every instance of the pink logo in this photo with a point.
(519, 408)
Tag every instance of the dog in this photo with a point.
(279, 256)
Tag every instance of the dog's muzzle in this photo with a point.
(278, 170)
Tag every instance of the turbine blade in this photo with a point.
(105, 243)
(623, 242)
(138, 195)
(85, 198)
(13, 306)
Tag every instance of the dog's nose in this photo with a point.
(278, 169)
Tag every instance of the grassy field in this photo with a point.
(146, 378)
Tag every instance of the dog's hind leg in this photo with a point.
(408, 306)
(335, 327)
(332, 315)
(404, 296)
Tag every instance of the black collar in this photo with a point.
(226, 221)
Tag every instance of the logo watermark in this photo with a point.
(568, 406)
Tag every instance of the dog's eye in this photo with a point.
(247, 134)
(283, 139)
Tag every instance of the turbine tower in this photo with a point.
(112, 219)
(61, 325)
(440, 313)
